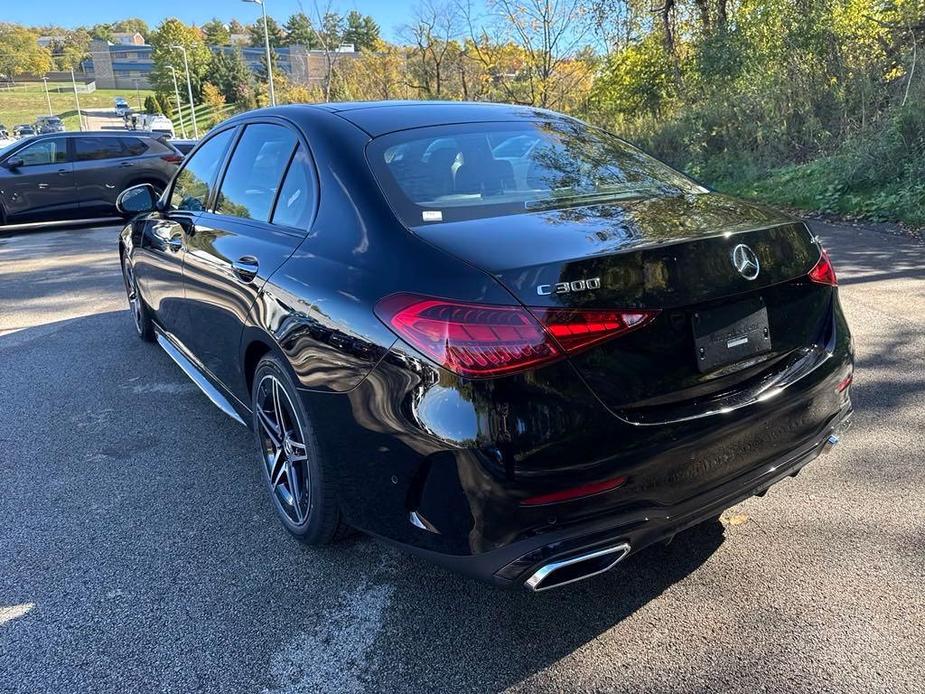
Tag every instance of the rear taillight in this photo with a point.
(482, 340)
(172, 158)
(823, 272)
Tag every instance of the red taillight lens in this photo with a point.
(574, 493)
(576, 329)
(823, 272)
(481, 340)
(172, 158)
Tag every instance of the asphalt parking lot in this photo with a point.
(139, 551)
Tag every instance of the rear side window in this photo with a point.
(297, 194)
(254, 172)
(134, 146)
(192, 185)
(95, 148)
(44, 152)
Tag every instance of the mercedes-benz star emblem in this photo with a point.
(745, 261)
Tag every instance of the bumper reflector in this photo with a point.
(581, 492)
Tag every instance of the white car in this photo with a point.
(121, 105)
(158, 123)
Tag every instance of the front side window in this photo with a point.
(192, 185)
(254, 172)
(295, 204)
(44, 152)
(478, 170)
(95, 148)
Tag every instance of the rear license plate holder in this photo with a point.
(731, 333)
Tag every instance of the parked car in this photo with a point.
(157, 123)
(23, 130)
(184, 146)
(4, 132)
(68, 176)
(121, 106)
(525, 378)
(48, 124)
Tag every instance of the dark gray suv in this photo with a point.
(75, 176)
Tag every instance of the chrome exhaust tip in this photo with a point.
(577, 568)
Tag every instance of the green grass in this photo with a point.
(206, 117)
(25, 102)
(817, 186)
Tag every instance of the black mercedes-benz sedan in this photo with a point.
(494, 335)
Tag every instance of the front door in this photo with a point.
(43, 187)
(165, 239)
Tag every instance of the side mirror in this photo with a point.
(137, 200)
(13, 163)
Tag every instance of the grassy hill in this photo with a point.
(26, 101)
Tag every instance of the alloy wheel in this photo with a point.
(285, 454)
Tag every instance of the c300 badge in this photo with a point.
(569, 287)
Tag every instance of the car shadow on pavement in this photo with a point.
(152, 537)
(501, 637)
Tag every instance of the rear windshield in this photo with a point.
(477, 170)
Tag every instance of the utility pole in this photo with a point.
(266, 41)
(176, 92)
(189, 90)
(47, 98)
(80, 120)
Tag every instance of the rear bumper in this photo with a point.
(443, 467)
(515, 564)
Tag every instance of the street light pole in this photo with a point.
(47, 98)
(266, 41)
(189, 89)
(176, 93)
(80, 120)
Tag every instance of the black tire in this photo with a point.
(141, 317)
(312, 514)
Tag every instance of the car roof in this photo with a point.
(381, 117)
(105, 133)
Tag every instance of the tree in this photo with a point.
(20, 52)
(379, 73)
(549, 34)
(362, 31)
(300, 32)
(103, 32)
(212, 96)
(168, 34)
(215, 33)
(235, 27)
(153, 104)
(256, 35)
(262, 74)
(432, 37)
(74, 49)
(131, 25)
(231, 75)
(332, 29)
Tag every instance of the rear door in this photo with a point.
(100, 165)
(43, 187)
(237, 245)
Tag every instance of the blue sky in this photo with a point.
(388, 13)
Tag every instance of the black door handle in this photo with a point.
(127, 163)
(245, 268)
(63, 172)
